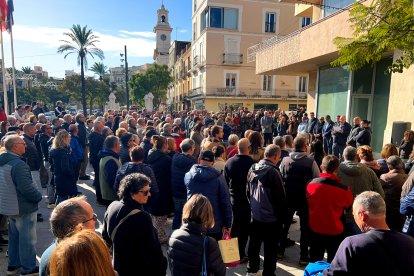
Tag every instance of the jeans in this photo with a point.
(50, 187)
(303, 214)
(269, 234)
(267, 137)
(327, 145)
(178, 212)
(22, 241)
(338, 150)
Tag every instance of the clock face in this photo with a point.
(163, 37)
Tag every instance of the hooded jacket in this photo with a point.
(160, 163)
(209, 182)
(181, 164)
(360, 179)
(266, 193)
(297, 171)
(18, 194)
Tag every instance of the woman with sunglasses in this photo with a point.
(128, 229)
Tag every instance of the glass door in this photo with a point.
(361, 105)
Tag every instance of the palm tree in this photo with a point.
(27, 70)
(82, 42)
(100, 69)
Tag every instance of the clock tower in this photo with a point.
(163, 37)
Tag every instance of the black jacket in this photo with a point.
(363, 137)
(186, 244)
(146, 146)
(96, 141)
(266, 193)
(124, 154)
(235, 172)
(82, 133)
(160, 163)
(44, 146)
(64, 174)
(31, 154)
(181, 164)
(136, 248)
(131, 167)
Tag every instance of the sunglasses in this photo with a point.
(144, 192)
(94, 217)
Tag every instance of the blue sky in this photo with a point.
(39, 25)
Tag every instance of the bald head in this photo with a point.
(243, 146)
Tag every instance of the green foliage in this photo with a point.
(81, 42)
(379, 28)
(154, 80)
(99, 69)
(27, 70)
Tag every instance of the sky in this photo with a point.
(39, 26)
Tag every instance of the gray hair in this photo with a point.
(395, 162)
(370, 202)
(350, 154)
(279, 141)
(271, 150)
(187, 144)
(10, 140)
(110, 142)
(166, 127)
(66, 216)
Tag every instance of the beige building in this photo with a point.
(220, 75)
(370, 93)
(117, 74)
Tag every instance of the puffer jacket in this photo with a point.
(18, 194)
(181, 164)
(124, 154)
(187, 243)
(359, 178)
(146, 146)
(160, 163)
(209, 182)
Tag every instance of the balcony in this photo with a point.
(232, 59)
(195, 92)
(248, 93)
(303, 50)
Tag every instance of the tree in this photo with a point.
(379, 28)
(27, 70)
(82, 43)
(155, 80)
(100, 69)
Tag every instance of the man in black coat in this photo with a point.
(181, 164)
(96, 141)
(83, 140)
(235, 172)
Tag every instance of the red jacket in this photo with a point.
(327, 199)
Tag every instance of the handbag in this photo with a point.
(133, 212)
(229, 249)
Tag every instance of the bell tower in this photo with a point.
(163, 36)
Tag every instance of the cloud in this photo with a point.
(140, 44)
(182, 30)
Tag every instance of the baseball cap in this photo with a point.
(207, 155)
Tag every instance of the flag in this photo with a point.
(10, 10)
(3, 14)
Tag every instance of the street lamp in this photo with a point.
(126, 75)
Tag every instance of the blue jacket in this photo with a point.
(77, 150)
(326, 130)
(181, 164)
(18, 194)
(341, 137)
(209, 182)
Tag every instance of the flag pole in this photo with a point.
(6, 101)
(14, 73)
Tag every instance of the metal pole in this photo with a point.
(126, 79)
(14, 74)
(6, 101)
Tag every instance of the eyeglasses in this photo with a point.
(94, 217)
(145, 192)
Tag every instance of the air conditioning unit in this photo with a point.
(397, 131)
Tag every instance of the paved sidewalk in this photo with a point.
(288, 266)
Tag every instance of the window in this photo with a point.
(270, 22)
(195, 5)
(201, 52)
(294, 107)
(306, 21)
(303, 84)
(231, 80)
(200, 78)
(332, 6)
(267, 83)
(215, 17)
(194, 30)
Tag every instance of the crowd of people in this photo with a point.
(237, 172)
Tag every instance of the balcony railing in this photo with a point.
(255, 93)
(232, 59)
(195, 92)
